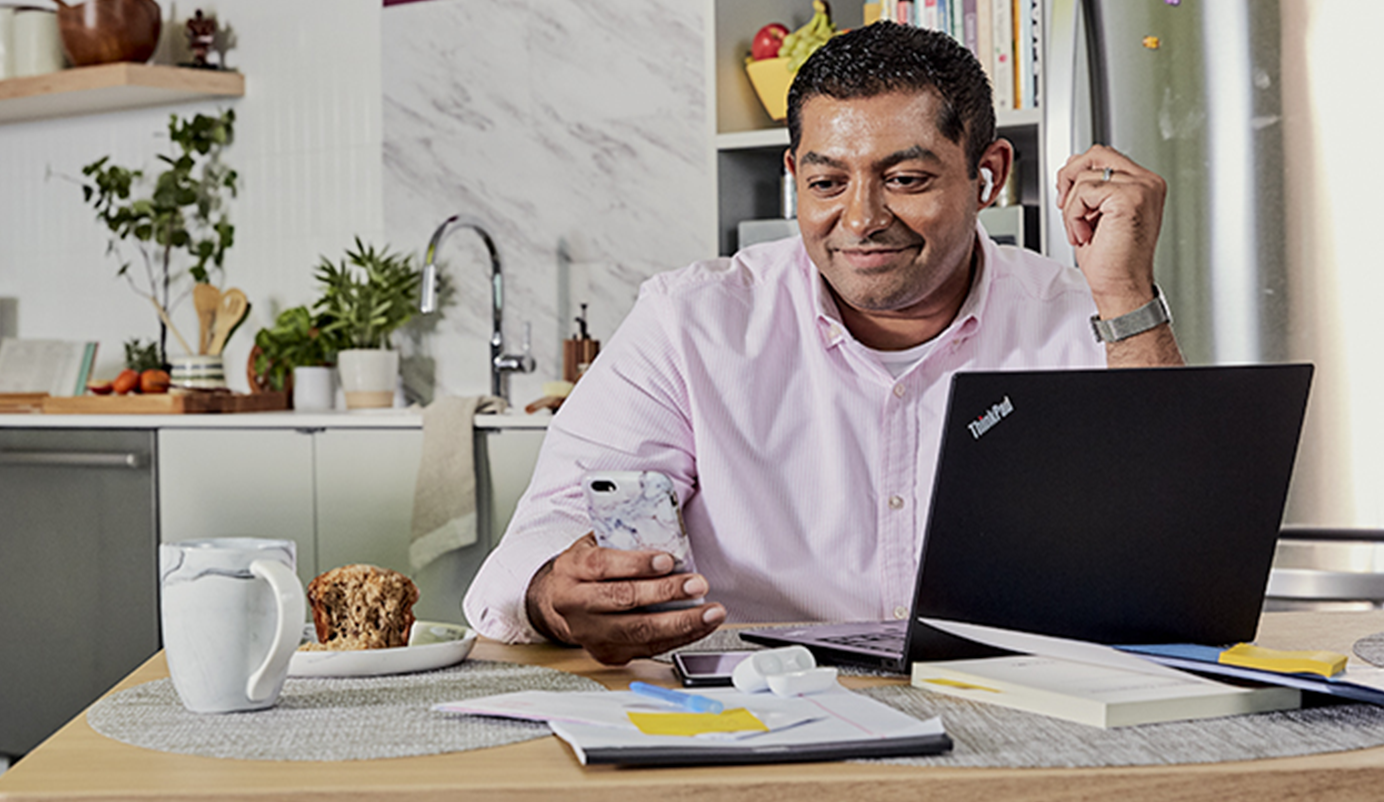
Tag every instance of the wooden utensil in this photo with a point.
(206, 298)
(169, 323)
(233, 307)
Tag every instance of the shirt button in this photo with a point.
(899, 390)
(895, 503)
(900, 613)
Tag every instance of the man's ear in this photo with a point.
(993, 171)
(789, 163)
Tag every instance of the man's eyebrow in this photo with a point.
(915, 153)
(813, 157)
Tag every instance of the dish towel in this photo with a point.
(444, 499)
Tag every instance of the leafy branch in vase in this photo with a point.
(181, 215)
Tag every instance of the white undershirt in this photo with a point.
(899, 362)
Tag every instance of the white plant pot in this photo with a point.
(314, 388)
(369, 376)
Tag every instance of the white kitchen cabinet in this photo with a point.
(239, 482)
(343, 495)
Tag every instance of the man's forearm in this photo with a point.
(1156, 347)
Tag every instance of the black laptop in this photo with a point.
(1129, 506)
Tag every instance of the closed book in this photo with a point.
(1002, 60)
(1098, 695)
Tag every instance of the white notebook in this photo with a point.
(1098, 695)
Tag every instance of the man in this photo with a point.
(794, 392)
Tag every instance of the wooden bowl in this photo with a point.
(105, 31)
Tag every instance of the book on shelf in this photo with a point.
(56, 367)
(1098, 695)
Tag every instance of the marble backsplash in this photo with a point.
(575, 133)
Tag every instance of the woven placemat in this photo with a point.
(1371, 649)
(993, 736)
(336, 718)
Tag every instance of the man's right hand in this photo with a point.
(587, 596)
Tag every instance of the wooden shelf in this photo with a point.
(110, 87)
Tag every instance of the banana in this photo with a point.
(800, 44)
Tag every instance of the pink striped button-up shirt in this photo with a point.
(803, 466)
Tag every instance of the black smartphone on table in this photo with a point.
(696, 669)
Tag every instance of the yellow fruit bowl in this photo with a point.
(771, 79)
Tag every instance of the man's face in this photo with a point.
(884, 204)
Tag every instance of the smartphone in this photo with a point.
(706, 668)
(637, 510)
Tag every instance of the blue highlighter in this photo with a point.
(690, 702)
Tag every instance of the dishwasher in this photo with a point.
(78, 572)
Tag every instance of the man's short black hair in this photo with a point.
(887, 57)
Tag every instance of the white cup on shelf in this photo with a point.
(37, 44)
(6, 43)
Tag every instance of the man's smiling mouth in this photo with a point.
(874, 257)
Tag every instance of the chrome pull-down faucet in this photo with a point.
(501, 364)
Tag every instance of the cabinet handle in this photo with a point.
(72, 459)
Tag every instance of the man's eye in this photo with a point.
(823, 185)
(907, 181)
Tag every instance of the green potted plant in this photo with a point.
(179, 215)
(294, 355)
(364, 301)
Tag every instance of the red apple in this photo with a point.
(768, 41)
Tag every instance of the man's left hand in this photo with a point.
(1112, 210)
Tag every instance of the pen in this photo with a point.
(690, 702)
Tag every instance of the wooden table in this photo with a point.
(79, 764)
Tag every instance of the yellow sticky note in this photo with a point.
(1327, 664)
(736, 720)
(965, 686)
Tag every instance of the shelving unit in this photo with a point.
(749, 145)
(111, 87)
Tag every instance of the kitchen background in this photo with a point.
(577, 133)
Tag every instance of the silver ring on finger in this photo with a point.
(1105, 176)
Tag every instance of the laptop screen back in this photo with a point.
(1116, 506)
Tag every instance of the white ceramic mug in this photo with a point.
(37, 44)
(314, 388)
(232, 614)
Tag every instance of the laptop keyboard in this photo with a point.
(888, 640)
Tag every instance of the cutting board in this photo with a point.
(164, 403)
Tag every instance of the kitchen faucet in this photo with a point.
(501, 364)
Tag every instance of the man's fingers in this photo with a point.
(587, 562)
(627, 637)
(620, 596)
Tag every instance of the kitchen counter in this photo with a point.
(405, 418)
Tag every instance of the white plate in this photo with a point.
(431, 645)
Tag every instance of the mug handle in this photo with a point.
(288, 603)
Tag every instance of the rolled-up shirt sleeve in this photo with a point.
(628, 412)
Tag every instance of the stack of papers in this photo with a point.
(601, 727)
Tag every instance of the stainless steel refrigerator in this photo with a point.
(1190, 90)
(1195, 90)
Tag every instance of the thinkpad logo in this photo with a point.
(987, 421)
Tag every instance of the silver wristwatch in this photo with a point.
(1152, 314)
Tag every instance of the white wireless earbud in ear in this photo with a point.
(989, 183)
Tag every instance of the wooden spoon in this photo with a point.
(233, 307)
(206, 298)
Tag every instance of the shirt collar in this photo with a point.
(833, 331)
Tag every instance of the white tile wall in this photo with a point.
(308, 153)
(574, 131)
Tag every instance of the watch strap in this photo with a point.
(1151, 315)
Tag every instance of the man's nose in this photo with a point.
(866, 210)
